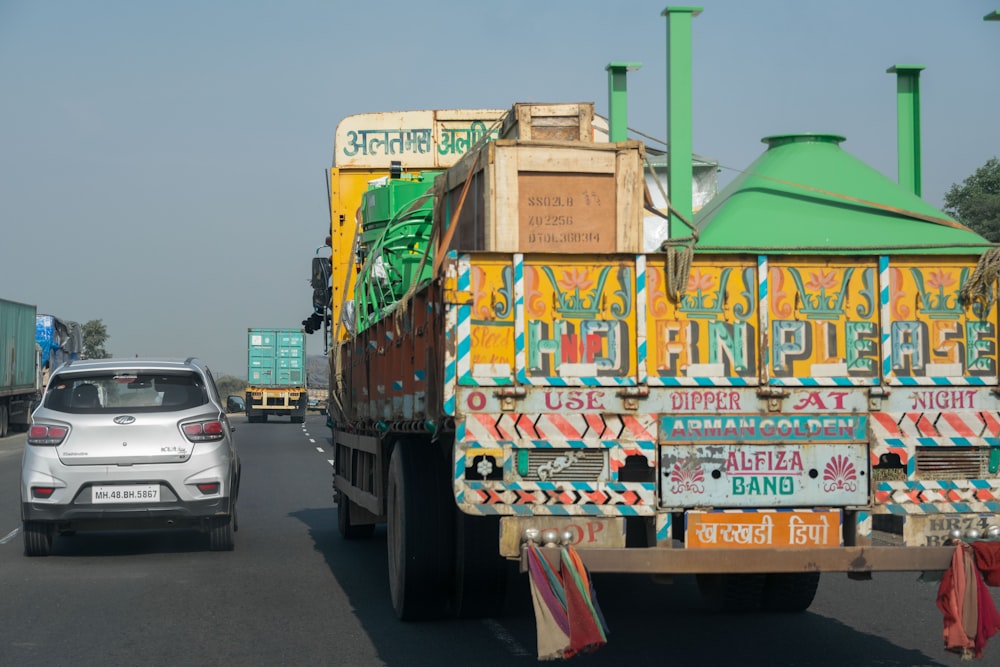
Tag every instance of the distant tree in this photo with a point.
(976, 203)
(95, 335)
(229, 385)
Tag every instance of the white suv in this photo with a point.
(129, 443)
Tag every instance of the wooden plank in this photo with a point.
(816, 559)
(503, 221)
(630, 199)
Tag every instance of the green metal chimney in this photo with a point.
(679, 113)
(908, 125)
(618, 99)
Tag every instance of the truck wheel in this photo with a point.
(419, 536)
(4, 421)
(299, 416)
(480, 571)
(37, 538)
(732, 592)
(220, 533)
(790, 591)
(348, 531)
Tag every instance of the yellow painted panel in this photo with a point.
(712, 330)
(824, 318)
(492, 314)
(931, 332)
(579, 317)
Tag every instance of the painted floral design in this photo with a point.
(687, 475)
(940, 280)
(576, 279)
(840, 475)
(822, 281)
(700, 282)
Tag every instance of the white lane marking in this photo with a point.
(319, 449)
(330, 461)
(9, 536)
(312, 440)
(505, 638)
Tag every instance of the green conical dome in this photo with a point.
(806, 195)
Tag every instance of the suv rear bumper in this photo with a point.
(133, 515)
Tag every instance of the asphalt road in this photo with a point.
(294, 593)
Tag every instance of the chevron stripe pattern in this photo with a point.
(623, 436)
(883, 289)
(765, 317)
(451, 315)
(640, 321)
(934, 429)
(931, 497)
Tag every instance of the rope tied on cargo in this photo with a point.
(979, 287)
(679, 259)
(679, 251)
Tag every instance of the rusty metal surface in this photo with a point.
(694, 561)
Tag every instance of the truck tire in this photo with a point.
(37, 538)
(480, 586)
(299, 416)
(419, 534)
(344, 526)
(732, 592)
(789, 592)
(4, 421)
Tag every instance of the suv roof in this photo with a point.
(132, 363)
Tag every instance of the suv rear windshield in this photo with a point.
(115, 391)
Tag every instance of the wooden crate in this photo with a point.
(534, 196)
(561, 122)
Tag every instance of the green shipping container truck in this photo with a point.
(20, 382)
(276, 375)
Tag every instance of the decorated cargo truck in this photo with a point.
(802, 378)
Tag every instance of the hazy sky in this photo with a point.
(162, 163)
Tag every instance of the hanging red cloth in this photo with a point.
(989, 619)
(952, 601)
(988, 561)
(970, 617)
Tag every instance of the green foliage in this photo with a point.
(976, 203)
(230, 385)
(95, 335)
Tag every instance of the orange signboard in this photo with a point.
(762, 529)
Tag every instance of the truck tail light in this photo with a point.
(205, 431)
(46, 435)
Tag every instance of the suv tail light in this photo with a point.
(207, 431)
(42, 491)
(46, 435)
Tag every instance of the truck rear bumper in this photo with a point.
(704, 561)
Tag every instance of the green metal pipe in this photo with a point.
(908, 125)
(618, 99)
(680, 169)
